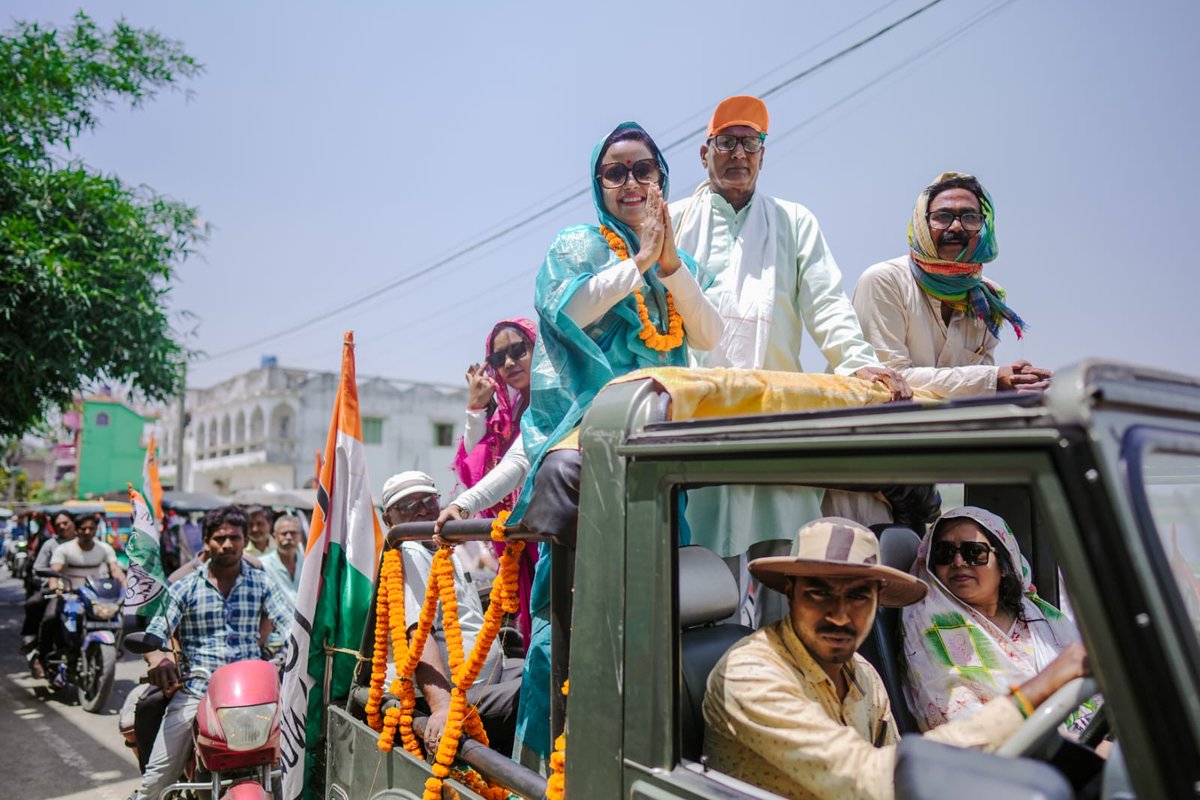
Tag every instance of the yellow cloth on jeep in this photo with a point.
(698, 393)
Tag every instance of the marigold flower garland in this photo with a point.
(556, 784)
(389, 611)
(662, 342)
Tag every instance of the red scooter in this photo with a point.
(236, 732)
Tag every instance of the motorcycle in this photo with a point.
(236, 731)
(84, 651)
(15, 557)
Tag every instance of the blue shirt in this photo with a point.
(215, 630)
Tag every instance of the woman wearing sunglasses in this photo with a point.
(498, 394)
(611, 298)
(982, 629)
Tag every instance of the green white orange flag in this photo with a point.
(336, 585)
(145, 583)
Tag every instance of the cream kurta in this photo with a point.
(773, 719)
(770, 237)
(905, 325)
(774, 277)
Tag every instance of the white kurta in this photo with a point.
(774, 277)
(904, 323)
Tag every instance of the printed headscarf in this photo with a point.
(958, 659)
(960, 283)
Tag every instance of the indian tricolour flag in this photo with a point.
(335, 586)
(146, 582)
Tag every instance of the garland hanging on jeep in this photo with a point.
(464, 670)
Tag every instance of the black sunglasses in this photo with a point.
(614, 175)
(515, 351)
(974, 554)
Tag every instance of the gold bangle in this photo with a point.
(1023, 705)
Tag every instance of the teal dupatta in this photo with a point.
(570, 366)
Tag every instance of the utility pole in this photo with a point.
(182, 428)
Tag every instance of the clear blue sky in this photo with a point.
(337, 147)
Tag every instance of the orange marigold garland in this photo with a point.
(662, 342)
(379, 656)
(556, 784)
(390, 625)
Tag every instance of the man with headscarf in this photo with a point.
(774, 277)
(930, 314)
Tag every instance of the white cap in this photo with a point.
(405, 483)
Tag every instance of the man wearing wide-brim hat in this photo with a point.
(794, 709)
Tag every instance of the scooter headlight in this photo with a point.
(247, 727)
(105, 610)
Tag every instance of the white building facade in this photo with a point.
(266, 427)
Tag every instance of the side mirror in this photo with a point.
(141, 643)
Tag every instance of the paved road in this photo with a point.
(50, 748)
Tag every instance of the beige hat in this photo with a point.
(834, 547)
(403, 484)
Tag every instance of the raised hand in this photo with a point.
(480, 388)
(668, 259)
(651, 234)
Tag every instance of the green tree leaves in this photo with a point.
(86, 262)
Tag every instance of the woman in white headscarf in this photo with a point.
(982, 629)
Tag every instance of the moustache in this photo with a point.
(837, 630)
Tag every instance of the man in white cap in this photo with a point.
(411, 497)
(794, 709)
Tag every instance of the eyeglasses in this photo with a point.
(614, 175)
(727, 143)
(516, 351)
(428, 502)
(941, 220)
(974, 554)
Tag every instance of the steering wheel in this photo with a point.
(1041, 729)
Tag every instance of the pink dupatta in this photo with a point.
(503, 427)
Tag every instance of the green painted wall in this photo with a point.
(110, 455)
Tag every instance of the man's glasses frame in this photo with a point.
(614, 174)
(727, 142)
(516, 351)
(429, 502)
(970, 220)
(974, 554)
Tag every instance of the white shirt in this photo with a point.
(508, 474)
(775, 276)
(78, 563)
(905, 325)
(417, 565)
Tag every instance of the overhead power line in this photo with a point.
(552, 207)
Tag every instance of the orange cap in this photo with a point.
(740, 109)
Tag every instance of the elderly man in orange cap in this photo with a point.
(793, 708)
(774, 278)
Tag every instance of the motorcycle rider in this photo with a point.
(35, 604)
(75, 560)
(214, 613)
(84, 556)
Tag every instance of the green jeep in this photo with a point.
(1100, 478)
